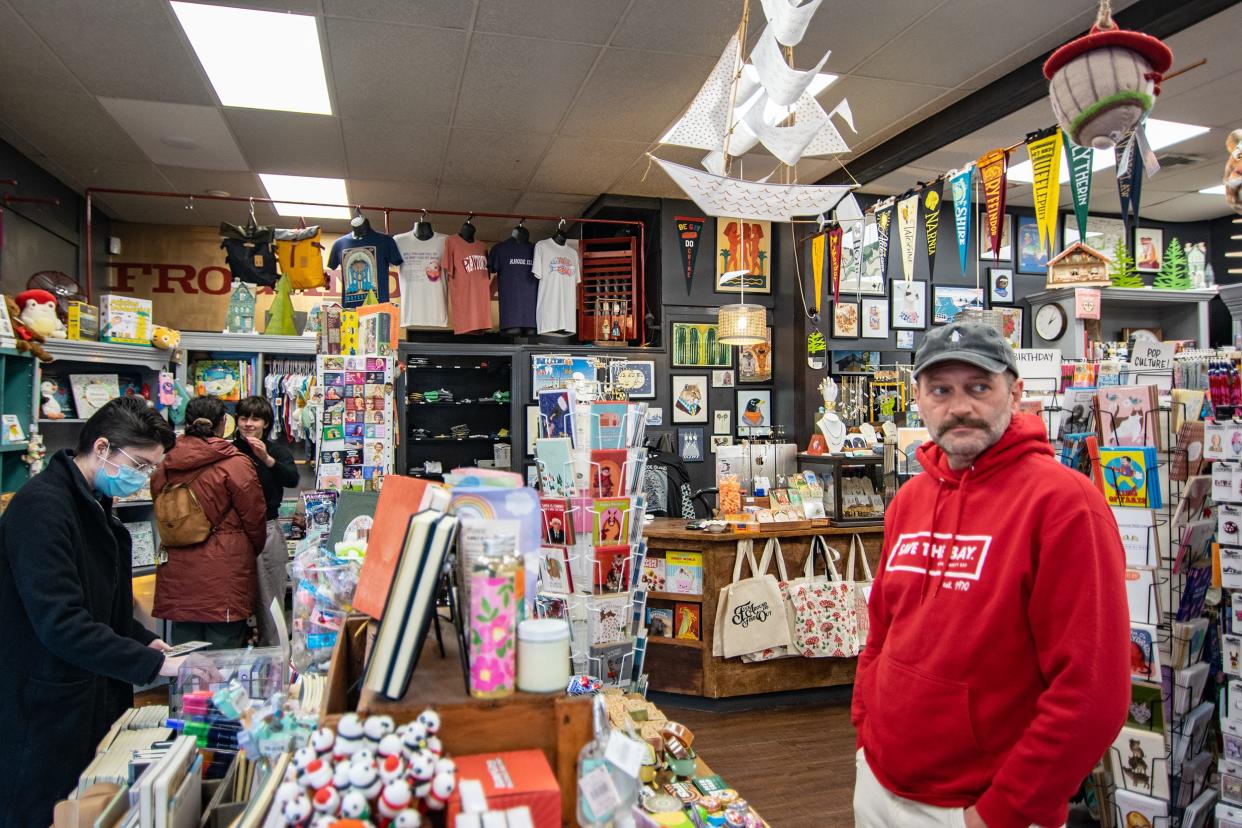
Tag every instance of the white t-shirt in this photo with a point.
(424, 294)
(559, 270)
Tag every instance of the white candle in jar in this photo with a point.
(543, 655)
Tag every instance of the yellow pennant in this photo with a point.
(1045, 156)
(817, 267)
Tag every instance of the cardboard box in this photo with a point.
(124, 320)
(510, 780)
(83, 321)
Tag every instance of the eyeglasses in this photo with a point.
(140, 466)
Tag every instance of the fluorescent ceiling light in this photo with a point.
(772, 113)
(258, 59)
(306, 188)
(1160, 134)
(1219, 189)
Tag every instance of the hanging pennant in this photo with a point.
(1045, 152)
(883, 224)
(929, 201)
(818, 241)
(1080, 181)
(1129, 179)
(992, 166)
(856, 245)
(689, 229)
(834, 258)
(959, 186)
(907, 230)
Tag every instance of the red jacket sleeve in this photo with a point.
(247, 495)
(1080, 621)
(879, 617)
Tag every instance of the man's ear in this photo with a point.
(1015, 395)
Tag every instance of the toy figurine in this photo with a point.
(35, 452)
(51, 408)
(38, 312)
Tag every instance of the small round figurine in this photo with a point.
(365, 779)
(286, 792)
(303, 757)
(423, 766)
(363, 756)
(445, 765)
(414, 737)
(442, 788)
(354, 805)
(392, 769)
(317, 774)
(409, 818)
(322, 740)
(327, 801)
(390, 745)
(350, 727)
(435, 745)
(340, 776)
(297, 810)
(395, 798)
(377, 727)
(430, 719)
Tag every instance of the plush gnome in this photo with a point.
(38, 311)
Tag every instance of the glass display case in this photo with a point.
(854, 487)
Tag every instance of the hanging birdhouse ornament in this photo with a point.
(1102, 84)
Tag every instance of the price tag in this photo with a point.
(600, 794)
(624, 753)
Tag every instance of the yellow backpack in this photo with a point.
(301, 258)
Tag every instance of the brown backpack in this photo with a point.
(180, 517)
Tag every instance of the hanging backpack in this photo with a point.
(180, 517)
(249, 253)
(300, 254)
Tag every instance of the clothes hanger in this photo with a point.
(560, 236)
(423, 229)
(520, 233)
(467, 229)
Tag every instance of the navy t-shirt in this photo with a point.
(364, 264)
(511, 261)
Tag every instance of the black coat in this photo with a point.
(70, 649)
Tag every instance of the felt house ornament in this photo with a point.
(1078, 266)
(240, 317)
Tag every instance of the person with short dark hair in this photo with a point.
(71, 648)
(274, 464)
(207, 589)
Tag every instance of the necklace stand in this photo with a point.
(830, 425)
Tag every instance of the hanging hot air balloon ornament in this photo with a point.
(1102, 84)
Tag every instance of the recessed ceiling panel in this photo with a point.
(178, 135)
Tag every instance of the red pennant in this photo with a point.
(992, 167)
(834, 258)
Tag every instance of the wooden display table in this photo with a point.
(688, 667)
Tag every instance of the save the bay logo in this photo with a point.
(750, 611)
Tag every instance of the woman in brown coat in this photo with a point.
(207, 590)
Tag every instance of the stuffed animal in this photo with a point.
(166, 339)
(1233, 171)
(35, 452)
(27, 340)
(37, 308)
(51, 408)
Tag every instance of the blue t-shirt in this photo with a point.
(511, 261)
(364, 264)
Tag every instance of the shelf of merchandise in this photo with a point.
(1179, 314)
(674, 596)
(694, 644)
(15, 446)
(17, 394)
(107, 353)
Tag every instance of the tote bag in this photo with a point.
(827, 617)
(770, 550)
(750, 613)
(862, 588)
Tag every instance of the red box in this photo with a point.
(517, 777)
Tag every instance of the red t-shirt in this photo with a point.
(469, 284)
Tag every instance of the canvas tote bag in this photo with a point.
(750, 612)
(773, 550)
(827, 616)
(862, 588)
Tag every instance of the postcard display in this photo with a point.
(357, 426)
(591, 462)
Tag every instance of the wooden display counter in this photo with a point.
(688, 667)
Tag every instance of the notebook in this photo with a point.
(400, 498)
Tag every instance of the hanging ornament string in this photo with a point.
(1104, 17)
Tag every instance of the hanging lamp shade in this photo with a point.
(742, 324)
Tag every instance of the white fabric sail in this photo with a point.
(786, 142)
(783, 84)
(714, 163)
(705, 122)
(717, 195)
(788, 20)
(828, 140)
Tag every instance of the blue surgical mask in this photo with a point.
(125, 482)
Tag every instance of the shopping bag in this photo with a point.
(827, 617)
(862, 588)
(773, 550)
(750, 613)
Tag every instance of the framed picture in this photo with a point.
(636, 376)
(532, 428)
(548, 371)
(695, 345)
(1012, 321)
(871, 282)
(1031, 258)
(875, 319)
(855, 362)
(1006, 239)
(754, 412)
(948, 302)
(724, 378)
(690, 399)
(909, 304)
(1102, 233)
(845, 320)
(691, 444)
(754, 362)
(1000, 286)
(1148, 249)
(654, 416)
(743, 247)
(718, 440)
(905, 340)
(722, 421)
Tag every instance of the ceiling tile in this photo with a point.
(389, 193)
(876, 104)
(1209, 103)
(26, 61)
(401, 74)
(157, 211)
(448, 14)
(552, 204)
(241, 184)
(699, 27)
(290, 143)
(577, 21)
(635, 96)
(501, 159)
(403, 152)
(1190, 207)
(854, 31)
(125, 175)
(584, 165)
(480, 199)
(149, 123)
(66, 125)
(646, 180)
(133, 49)
(520, 84)
(295, 6)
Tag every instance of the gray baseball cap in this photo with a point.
(970, 342)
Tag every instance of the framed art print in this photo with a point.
(690, 399)
(744, 255)
(754, 362)
(1000, 286)
(723, 378)
(722, 421)
(1011, 319)
(754, 412)
(718, 440)
(905, 340)
(855, 362)
(845, 320)
(1102, 233)
(909, 305)
(636, 376)
(1148, 249)
(1006, 240)
(875, 319)
(555, 371)
(696, 345)
(871, 282)
(1031, 257)
(948, 302)
(691, 444)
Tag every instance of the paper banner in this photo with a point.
(960, 186)
(1045, 153)
(992, 167)
(929, 202)
(834, 257)
(1080, 182)
(860, 229)
(907, 230)
(689, 230)
(1129, 180)
(883, 224)
(817, 267)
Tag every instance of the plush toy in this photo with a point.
(51, 408)
(27, 339)
(35, 452)
(166, 339)
(37, 308)
(1233, 171)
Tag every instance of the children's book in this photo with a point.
(684, 572)
(608, 471)
(62, 393)
(659, 622)
(1127, 416)
(653, 574)
(558, 529)
(1130, 476)
(612, 568)
(686, 619)
(218, 378)
(1144, 652)
(92, 391)
(556, 414)
(612, 521)
(554, 570)
(1146, 707)
(1077, 412)
(556, 474)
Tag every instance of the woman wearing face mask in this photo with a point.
(274, 464)
(207, 590)
(69, 643)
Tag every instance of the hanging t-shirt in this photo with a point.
(559, 270)
(511, 261)
(364, 264)
(465, 265)
(424, 296)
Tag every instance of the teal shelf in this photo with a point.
(14, 447)
(17, 372)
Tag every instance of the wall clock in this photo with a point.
(1050, 322)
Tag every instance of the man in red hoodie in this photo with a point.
(995, 673)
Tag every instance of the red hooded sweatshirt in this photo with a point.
(1001, 676)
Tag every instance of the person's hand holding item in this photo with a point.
(260, 451)
(202, 668)
(160, 644)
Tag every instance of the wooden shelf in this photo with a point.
(48, 421)
(695, 598)
(676, 642)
